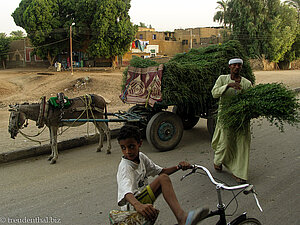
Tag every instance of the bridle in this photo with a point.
(14, 123)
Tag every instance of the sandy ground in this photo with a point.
(19, 85)
(28, 85)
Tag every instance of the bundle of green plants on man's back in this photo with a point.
(273, 101)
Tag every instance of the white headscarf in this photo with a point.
(236, 60)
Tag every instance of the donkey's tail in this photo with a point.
(105, 113)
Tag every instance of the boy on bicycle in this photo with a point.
(133, 187)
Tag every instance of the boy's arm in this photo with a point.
(182, 165)
(147, 210)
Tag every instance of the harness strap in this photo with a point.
(83, 108)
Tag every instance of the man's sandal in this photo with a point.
(196, 216)
(218, 168)
(239, 180)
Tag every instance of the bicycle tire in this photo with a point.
(249, 221)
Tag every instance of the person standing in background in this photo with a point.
(231, 148)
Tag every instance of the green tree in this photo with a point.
(4, 48)
(264, 27)
(284, 34)
(46, 24)
(102, 27)
(220, 16)
(17, 34)
(296, 5)
(112, 28)
(246, 19)
(294, 53)
(142, 25)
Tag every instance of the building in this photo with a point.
(148, 43)
(167, 44)
(20, 55)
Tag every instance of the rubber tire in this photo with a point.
(189, 120)
(249, 221)
(164, 131)
(211, 126)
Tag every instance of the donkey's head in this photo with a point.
(16, 120)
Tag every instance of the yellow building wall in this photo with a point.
(171, 43)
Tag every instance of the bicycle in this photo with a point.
(246, 189)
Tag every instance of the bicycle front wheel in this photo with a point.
(249, 221)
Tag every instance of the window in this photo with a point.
(185, 42)
(154, 37)
(141, 36)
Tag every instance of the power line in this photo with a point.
(49, 44)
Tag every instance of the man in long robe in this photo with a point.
(231, 148)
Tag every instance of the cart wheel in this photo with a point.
(189, 119)
(164, 131)
(211, 125)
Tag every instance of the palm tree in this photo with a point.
(18, 34)
(220, 16)
(296, 5)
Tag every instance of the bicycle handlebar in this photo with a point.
(219, 185)
(249, 188)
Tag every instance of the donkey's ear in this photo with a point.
(13, 108)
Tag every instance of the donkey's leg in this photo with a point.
(54, 144)
(106, 130)
(52, 152)
(101, 136)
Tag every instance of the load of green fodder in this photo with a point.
(274, 101)
(189, 77)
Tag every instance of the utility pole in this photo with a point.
(71, 50)
(24, 56)
(191, 32)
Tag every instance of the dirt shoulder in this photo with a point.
(28, 85)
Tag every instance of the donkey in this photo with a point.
(92, 106)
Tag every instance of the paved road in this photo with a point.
(81, 188)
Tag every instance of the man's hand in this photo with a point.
(234, 85)
(147, 210)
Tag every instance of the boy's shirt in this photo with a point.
(133, 177)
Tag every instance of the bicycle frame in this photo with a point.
(221, 211)
(222, 220)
